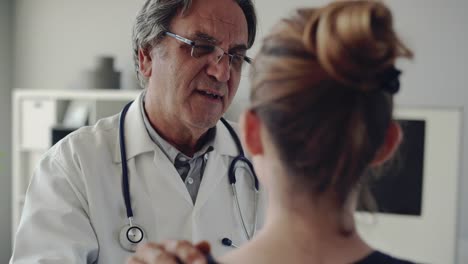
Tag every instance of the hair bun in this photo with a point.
(354, 41)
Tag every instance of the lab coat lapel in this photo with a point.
(137, 141)
(165, 169)
(218, 163)
(215, 171)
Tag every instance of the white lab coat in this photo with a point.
(74, 208)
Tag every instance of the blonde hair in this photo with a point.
(320, 84)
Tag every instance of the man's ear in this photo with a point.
(391, 143)
(144, 62)
(251, 132)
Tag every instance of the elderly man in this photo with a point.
(165, 167)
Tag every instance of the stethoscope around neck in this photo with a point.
(132, 234)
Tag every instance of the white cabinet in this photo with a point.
(35, 112)
(37, 115)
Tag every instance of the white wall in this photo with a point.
(5, 132)
(56, 39)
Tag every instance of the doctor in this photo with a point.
(165, 167)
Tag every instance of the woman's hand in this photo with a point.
(171, 252)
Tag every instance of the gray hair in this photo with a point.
(156, 15)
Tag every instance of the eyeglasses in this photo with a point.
(200, 50)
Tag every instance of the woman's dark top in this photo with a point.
(375, 257)
(378, 257)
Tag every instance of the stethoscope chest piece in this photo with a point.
(131, 236)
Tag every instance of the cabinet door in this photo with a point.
(38, 117)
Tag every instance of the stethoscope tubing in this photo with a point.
(123, 157)
(231, 173)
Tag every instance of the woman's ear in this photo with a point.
(144, 62)
(251, 132)
(391, 143)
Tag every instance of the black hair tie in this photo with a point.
(389, 80)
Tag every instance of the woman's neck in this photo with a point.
(301, 231)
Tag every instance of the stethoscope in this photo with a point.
(132, 234)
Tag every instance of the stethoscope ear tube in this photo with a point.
(232, 168)
(240, 157)
(232, 179)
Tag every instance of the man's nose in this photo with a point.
(220, 69)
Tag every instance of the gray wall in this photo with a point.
(437, 33)
(6, 38)
(56, 40)
(438, 76)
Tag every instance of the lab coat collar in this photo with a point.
(224, 144)
(137, 140)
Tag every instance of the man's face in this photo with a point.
(180, 85)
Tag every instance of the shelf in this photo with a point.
(95, 94)
(35, 112)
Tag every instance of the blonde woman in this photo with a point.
(320, 120)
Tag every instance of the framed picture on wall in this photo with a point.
(403, 175)
(417, 197)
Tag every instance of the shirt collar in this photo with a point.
(170, 151)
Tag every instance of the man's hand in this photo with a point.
(171, 252)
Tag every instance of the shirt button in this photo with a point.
(183, 159)
(189, 180)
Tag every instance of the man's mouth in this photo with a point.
(209, 94)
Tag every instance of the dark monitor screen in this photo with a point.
(399, 188)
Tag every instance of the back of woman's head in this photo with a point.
(323, 84)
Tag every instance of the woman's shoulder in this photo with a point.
(382, 258)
